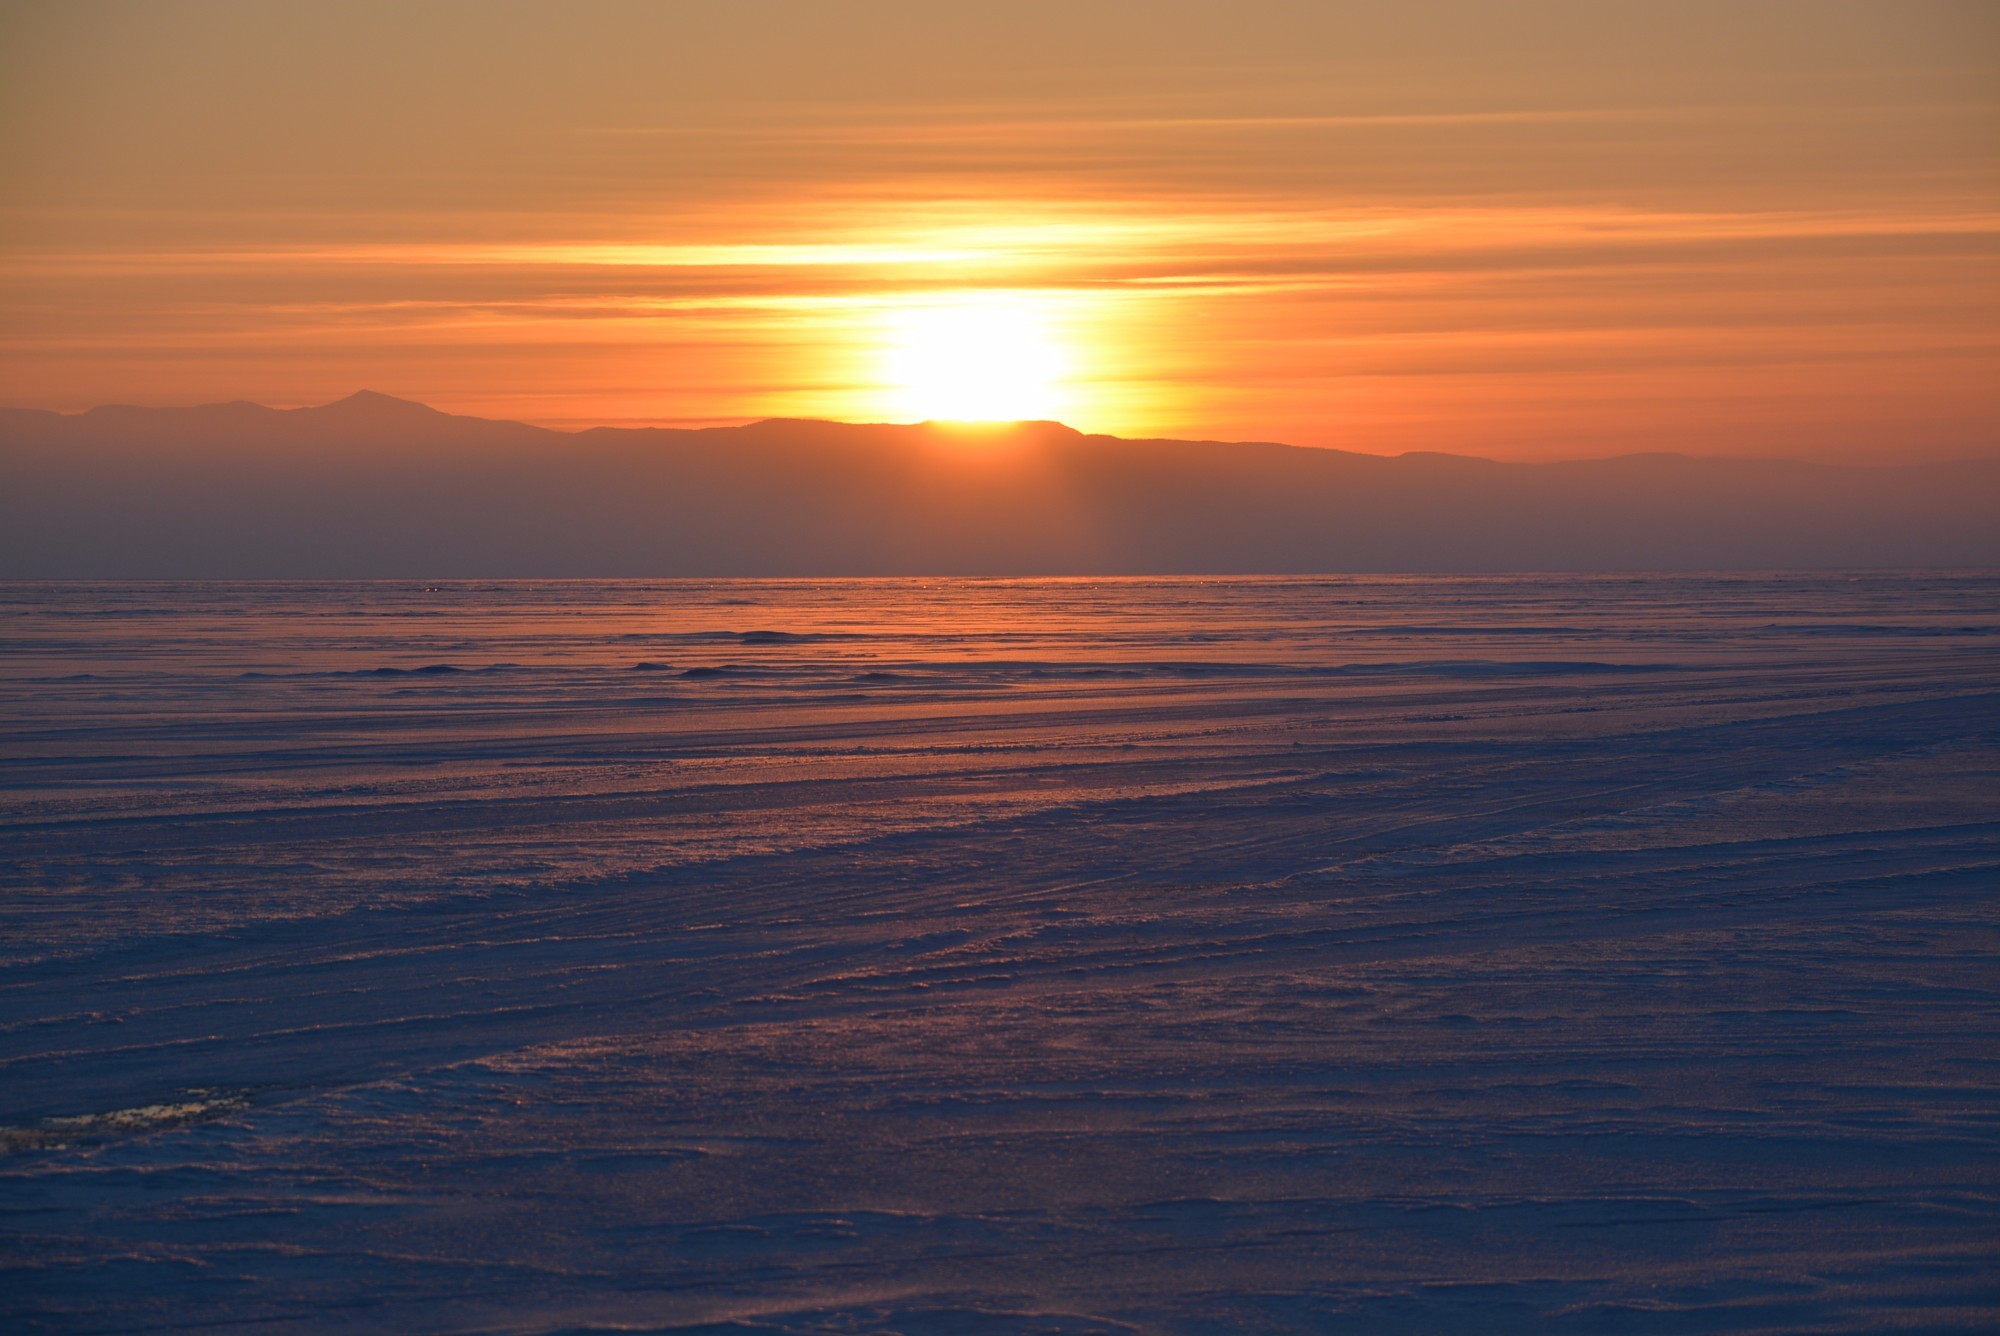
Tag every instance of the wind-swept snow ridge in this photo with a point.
(1420, 954)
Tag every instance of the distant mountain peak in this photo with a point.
(375, 403)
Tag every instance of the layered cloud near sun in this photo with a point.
(1800, 276)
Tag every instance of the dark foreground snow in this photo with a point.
(1372, 955)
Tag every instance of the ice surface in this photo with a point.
(1380, 955)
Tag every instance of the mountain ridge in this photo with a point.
(372, 485)
(351, 406)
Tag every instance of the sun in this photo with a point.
(980, 359)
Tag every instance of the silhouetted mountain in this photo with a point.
(377, 486)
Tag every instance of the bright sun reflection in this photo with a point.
(977, 359)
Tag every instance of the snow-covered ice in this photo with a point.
(1539, 954)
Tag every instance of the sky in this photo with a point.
(1528, 230)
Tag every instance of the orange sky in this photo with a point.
(1525, 230)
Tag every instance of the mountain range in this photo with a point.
(373, 486)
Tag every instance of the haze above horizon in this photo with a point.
(1552, 230)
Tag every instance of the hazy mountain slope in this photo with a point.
(374, 486)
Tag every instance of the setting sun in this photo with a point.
(980, 359)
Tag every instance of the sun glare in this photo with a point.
(988, 359)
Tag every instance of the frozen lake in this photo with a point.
(1427, 954)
